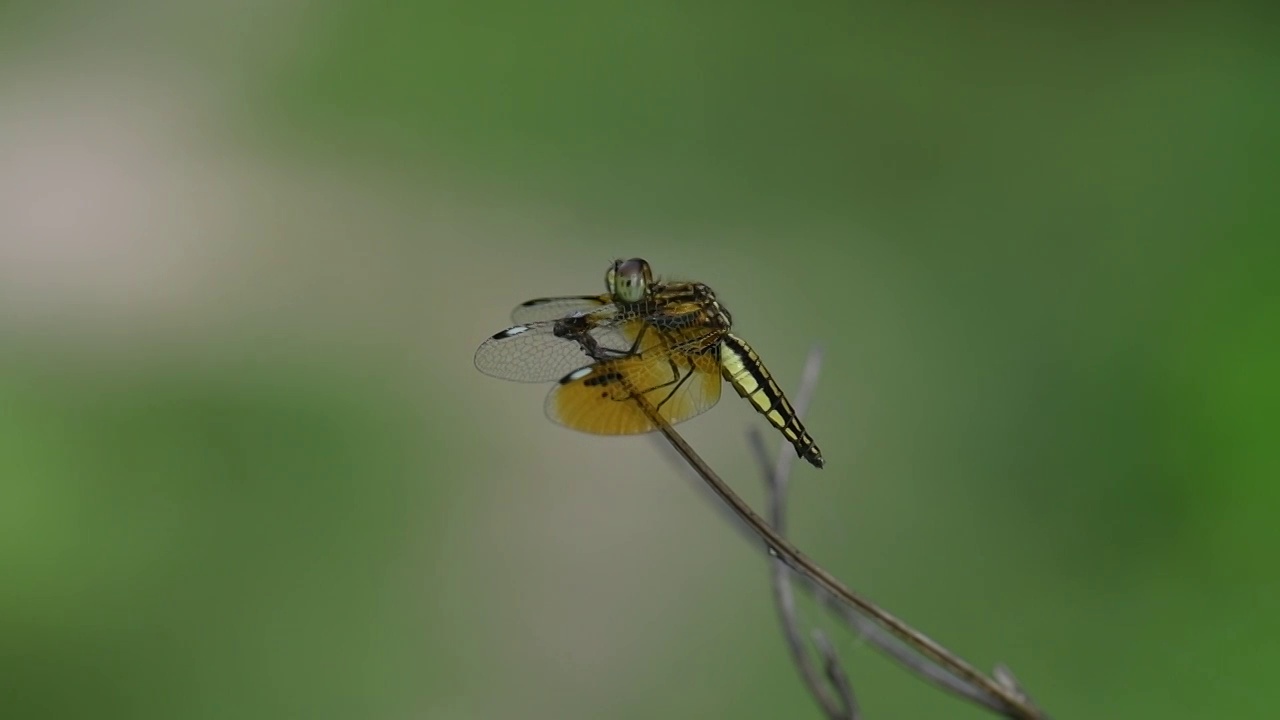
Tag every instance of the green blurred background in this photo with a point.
(247, 250)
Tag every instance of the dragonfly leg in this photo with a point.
(678, 379)
(635, 346)
(593, 349)
(673, 391)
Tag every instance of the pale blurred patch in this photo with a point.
(133, 230)
(101, 203)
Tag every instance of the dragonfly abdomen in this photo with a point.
(742, 367)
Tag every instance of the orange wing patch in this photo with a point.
(598, 399)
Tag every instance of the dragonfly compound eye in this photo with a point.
(631, 280)
(611, 278)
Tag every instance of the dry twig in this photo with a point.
(844, 706)
(913, 649)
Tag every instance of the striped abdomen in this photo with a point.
(742, 368)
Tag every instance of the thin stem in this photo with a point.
(1015, 704)
(1005, 677)
(836, 675)
(777, 477)
(845, 706)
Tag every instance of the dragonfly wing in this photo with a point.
(552, 308)
(534, 352)
(598, 398)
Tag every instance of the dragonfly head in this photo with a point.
(629, 280)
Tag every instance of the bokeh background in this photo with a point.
(247, 250)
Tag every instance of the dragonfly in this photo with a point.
(668, 345)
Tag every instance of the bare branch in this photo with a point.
(836, 675)
(901, 653)
(1005, 677)
(843, 706)
(836, 708)
(776, 481)
(1012, 704)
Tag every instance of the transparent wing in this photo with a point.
(598, 398)
(552, 308)
(535, 353)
